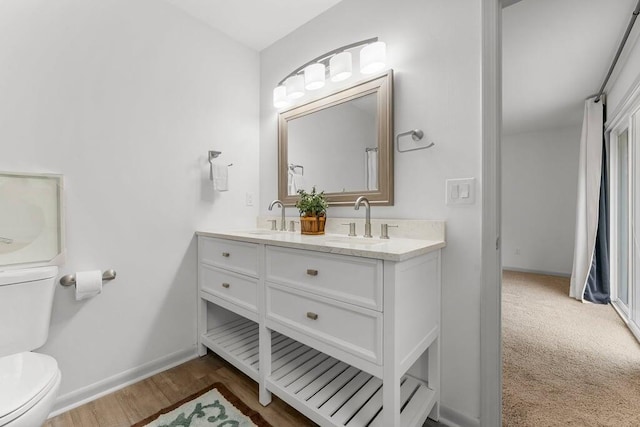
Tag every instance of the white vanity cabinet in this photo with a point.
(336, 332)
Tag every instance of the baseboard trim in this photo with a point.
(452, 418)
(526, 270)
(116, 382)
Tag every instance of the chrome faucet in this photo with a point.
(283, 224)
(367, 223)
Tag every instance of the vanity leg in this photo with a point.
(391, 368)
(265, 364)
(202, 325)
(434, 376)
(391, 400)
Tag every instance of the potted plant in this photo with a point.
(313, 211)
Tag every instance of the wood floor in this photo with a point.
(136, 402)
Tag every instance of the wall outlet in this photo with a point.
(517, 251)
(249, 199)
(461, 191)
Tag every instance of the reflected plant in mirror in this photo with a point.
(341, 143)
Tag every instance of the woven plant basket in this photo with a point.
(312, 224)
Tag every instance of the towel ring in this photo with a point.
(416, 135)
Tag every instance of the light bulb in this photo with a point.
(340, 67)
(280, 97)
(373, 58)
(295, 86)
(314, 76)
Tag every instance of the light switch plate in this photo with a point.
(461, 191)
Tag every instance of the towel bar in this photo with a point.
(70, 279)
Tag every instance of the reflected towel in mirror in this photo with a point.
(371, 169)
(296, 182)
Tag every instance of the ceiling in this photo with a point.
(255, 23)
(555, 54)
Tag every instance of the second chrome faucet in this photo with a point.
(367, 223)
(283, 223)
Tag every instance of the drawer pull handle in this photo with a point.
(312, 316)
(312, 272)
(226, 254)
(225, 285)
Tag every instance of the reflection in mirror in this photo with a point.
(341, 144)
(340, 139)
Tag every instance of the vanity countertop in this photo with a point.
(394, 249)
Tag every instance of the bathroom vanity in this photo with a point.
(335, 326)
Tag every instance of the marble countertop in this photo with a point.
(393, 249)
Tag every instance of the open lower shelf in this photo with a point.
(330, 392)
(326, 390)
(236, 342)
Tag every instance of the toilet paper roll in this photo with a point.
(88, 284)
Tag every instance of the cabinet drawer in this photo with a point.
(350, 328)
(341, 277)
(236, 256)
(232, 287)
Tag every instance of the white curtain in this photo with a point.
(587, 209)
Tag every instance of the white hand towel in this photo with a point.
(298, 183)
(221, 177)
(372, 170)
(290, 190)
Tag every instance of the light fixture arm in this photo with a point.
(325, 56)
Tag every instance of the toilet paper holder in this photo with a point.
(70, 279)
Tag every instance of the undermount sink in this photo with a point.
(355, 241)
(261, 232)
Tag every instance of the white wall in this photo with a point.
(626, 74)
(539, 182)
(434, 48)
(125, 99)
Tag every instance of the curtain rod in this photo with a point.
(634, 16)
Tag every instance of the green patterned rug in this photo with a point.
(215, 406)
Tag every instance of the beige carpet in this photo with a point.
(565, 363)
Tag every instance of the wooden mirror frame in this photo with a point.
(382, 85)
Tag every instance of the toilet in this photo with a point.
(29, 381)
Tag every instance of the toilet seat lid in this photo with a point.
(22, 377)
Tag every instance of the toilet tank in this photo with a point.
(26, 298)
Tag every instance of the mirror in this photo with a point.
(31, 221)
(342, 144)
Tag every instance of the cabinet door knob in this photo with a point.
(312, 272)
(226, 254)
(312, 316)
(225, 285)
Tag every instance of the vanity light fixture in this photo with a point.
(336, 64)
